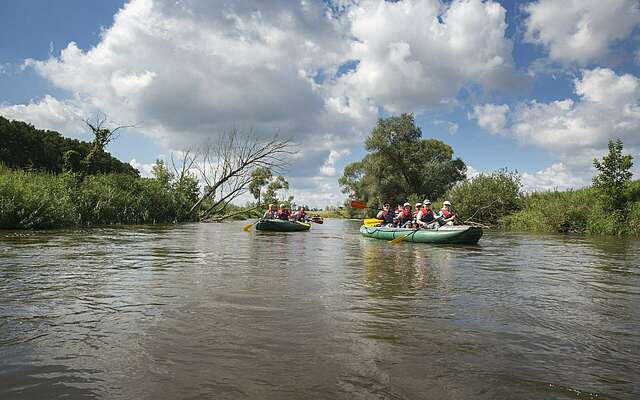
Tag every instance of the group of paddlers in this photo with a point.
(422, 217)
(285, 214)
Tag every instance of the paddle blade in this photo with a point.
(372, 221)
(247, 227)
(399, 239)
(358, 204)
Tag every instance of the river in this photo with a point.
(209, 311)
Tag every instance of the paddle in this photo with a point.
(363, 206)
(401, 238)
(247, 227)
(372, 221)
(360, 205)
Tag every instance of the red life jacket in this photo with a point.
(427, 215)
(405, 216)
(445, 213)
(284, 214)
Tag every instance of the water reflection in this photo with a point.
(206, 310)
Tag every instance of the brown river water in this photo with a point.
(208, 311)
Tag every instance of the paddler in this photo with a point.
(446, 216)
(283, 213)
(405, 218)
(426, 218)
(271, 212)
(300, 215)
(386, 215)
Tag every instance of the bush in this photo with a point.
(486, 198)
(552, 211)
(30, 200)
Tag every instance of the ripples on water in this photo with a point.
(206, 310)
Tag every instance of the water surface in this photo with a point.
(209, 311)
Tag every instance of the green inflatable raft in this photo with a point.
(278, 225)
(445, 234)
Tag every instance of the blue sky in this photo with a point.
(538, 87)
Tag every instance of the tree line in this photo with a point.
(401, 166)
(22, 146)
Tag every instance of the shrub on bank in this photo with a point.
(551, 211)
(30, 200)
(487, 197)
(577, 211)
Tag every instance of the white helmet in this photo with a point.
(446, 203)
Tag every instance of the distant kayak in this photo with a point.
(445, 234)
(317, 219)
(278, 225)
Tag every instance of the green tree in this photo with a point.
(71, 161)
(271, 193)
(259, 177)
(487, 197)
(615, 174)
(162, 174)
(400, 164)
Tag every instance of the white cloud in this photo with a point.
(186, 71)
(574, 131)
(608, 107)
(146, 170)
(451, 127)
(491, 117)
(48, 113)
(580, 31)
(556, 177)
(472, 172)
(415, 55)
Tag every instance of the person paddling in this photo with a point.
(283, 213)
(386, 215)
(446, 216)
(300, 215)
(271, 212)
(426, 218)
(405, 218)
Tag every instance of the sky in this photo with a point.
(539, 87)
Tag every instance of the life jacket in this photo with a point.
(388, 217)
(427, 215)
(445, 213)
(284, 214)
(405, 216)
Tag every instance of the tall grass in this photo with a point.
(579, 211)
(30, 200)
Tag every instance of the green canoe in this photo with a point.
(445, 234)
(278, 225)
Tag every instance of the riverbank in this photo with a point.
(575, 211)
(37, 200)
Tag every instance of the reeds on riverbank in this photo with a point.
(579, 211)
(36, 200)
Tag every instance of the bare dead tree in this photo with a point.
(225, 167)
(102, 135)
(185, 166)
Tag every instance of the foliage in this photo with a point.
(552, 211)
(24, 147)
(38, 200)
(400, 164)
(576, 211)
(271, 194)
(615, 174)
(162, 174)
(259, 177)
(487, 197)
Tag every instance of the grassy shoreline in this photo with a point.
(41, 200)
